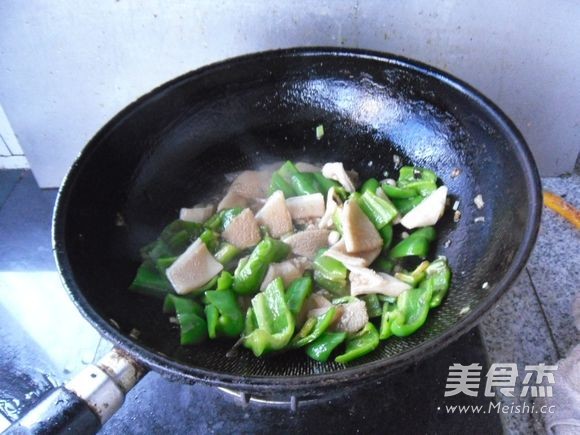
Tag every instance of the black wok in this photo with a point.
(172, 146)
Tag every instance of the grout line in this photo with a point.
(535, 291)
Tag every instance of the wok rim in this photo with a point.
(281, 384)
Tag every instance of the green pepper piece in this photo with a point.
(274, 323)
(415, 277)
(228, 215)
(192, 229)
(226, 253)
(374, 308)
(214, 222)
(225, 281)
(297, 293)
(192, 324)
(387, 235)
(440, 274)
(330, 274)
(230, 322)
(422, 180)
(412, 309)
(389, 313)
(379, 210)
(278, 183)
(220, 220)
(417, 246)
(211, 240)
(383, 264)
(247, 279)
(322, 323)
(361, 343)
(428, 233)
(395, 192)
(287, 170)
(173, 240)
(321, 348)
(149, 281)
(212, 316)
(324, 183)
(407, 204)
(304, 183)
(163, 263)
(371, 184)
(388, 299)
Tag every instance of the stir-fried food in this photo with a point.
(297, 256)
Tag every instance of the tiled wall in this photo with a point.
(11, 154)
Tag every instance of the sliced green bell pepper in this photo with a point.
(279, 183)
(192, 324)
(417, 244)
(230, 320)
(383, 264)
(226, 253)
(405, 205)
(387, 235)
(220, 220)
(412, 309)
(150, 281)
(361, 343)
(387, 316)
(321, 348)
(272, 324)
(373, 305)
(304, 183)
(424, 181)
(330, 274)
(371, 184)
(395, 192)
(379, 210)
(322, 323)
(249, 276)
(211, 239)
(173, 240)
(440, 274)
(298, 291)
(324, 184)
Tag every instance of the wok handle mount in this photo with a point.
(86, 402)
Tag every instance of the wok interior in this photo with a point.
(173, 147)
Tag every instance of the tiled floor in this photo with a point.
(532, 323)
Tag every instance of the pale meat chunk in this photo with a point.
(335, 171)
(197, 214)
(307, 167)
(367, 281)
(288, 270)
(360, 259)
(275, 215)
(232, 200)
(331, 207)
(428, 211)
(360, 234)
(192, 269)
(306, 206)
(308, 243)
(243, 230)
(252, 184)
(353, 318)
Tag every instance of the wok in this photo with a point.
(173, 146)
